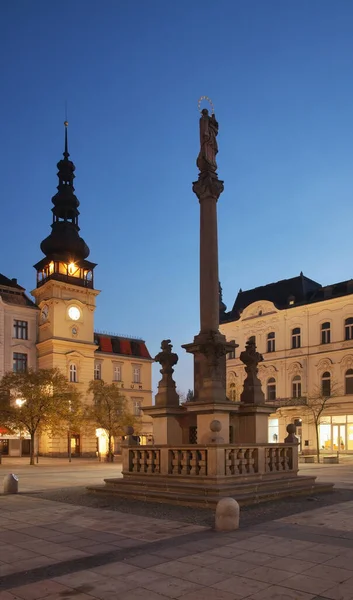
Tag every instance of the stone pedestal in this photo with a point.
(166, 425)
(252, 423)
(206, 412)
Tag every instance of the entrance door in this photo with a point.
(75, 444)
(339, 438)
(26, 448)
(4, 447)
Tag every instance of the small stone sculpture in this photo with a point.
(206, 160)
(167, 359)
(167, 395)
(252, 392)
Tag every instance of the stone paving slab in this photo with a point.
(296, 558)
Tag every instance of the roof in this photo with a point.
(114, 344)
(288, 293)
(12, 293)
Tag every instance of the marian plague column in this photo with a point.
(209, 346)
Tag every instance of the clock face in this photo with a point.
(44, 313)
(74, 313)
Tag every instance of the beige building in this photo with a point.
(305, 333)
(58, 331)
(18, 336)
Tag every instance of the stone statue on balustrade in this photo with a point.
(206, 160)
(167, 395)
(252, 392)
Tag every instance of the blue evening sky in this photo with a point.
(280, 73)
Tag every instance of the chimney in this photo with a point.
(14, 280)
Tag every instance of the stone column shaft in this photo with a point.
(209, 291)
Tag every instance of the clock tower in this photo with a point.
(65, 290)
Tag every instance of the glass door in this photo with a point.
(339, 438)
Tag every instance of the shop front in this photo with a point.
(336, 433)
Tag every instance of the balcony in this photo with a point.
(282, 402)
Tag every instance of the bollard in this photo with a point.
(227, 515)
(10, 484)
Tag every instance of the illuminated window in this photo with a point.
(73, 373)
(20, 330)
(326, 384)
(296, 387)
(98, 371)
(136, 374)
(325, 333)
(296, 337)
(19, 362)
(348, 329)
(271, 342)
(349, 381)
(271, 389)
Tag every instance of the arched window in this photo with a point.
(271, 389)
(326, 384)
(349, 381)
(98, 371)
(348, 329)
(325, 333)
(271, 342)
(296, 387)
(232, 392)
(73, 373)
(296, 342)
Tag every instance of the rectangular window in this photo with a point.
(137, 403)
(117, 373)
(231, 354)
(20, 330)
(98, 371)
(296, 338)
(19, 362)
(136, 374)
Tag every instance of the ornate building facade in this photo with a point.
(62, 324)
(305, 333)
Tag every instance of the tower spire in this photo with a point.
(66, 151)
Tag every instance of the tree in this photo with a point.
(315, 405)
(110, 411)
(34, 401)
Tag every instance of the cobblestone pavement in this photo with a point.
(57, 551)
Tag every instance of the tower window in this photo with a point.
(20, 330)
(271, 389)
(231, 354)
(296, 341)
(348, 329)
(73, 373)
(19, 362)
(271, 342)
(326, 333)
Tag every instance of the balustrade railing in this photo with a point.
(216, 460)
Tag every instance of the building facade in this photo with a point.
(305, 333)
(18, 336)
(61, 325)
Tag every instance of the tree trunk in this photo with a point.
(31, 457)
(317, 441)
(110, 453)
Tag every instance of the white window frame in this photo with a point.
(136, 373)
(73, 373)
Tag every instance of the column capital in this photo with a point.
(208, 185)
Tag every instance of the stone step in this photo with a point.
(208, 496)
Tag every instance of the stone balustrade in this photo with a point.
(211, 461)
